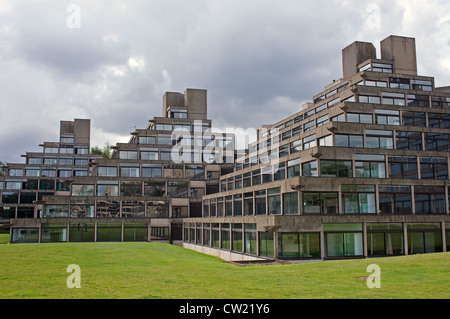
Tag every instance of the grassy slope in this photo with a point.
(152, 270)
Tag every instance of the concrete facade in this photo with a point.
(360, 171)
(353, 174)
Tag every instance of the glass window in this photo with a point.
(394, 199)
(260, 202)
(129, 169)
(293, 168)
(56, 211)
(107, 188)
(309, 168)
(429, 199)
(418, 100)
(437, 142)
(403, 167)
(154, 189)
(274, 201)
(290, 203)
(266, 244)
(379, 139)
(132, 188)
(409, 141)
(424, 238)
(82, 232)
(53, 232)
(333, 168)
(344, 244)
(370, 166)
(433, 168)
(298, 245)
(413, 119)
(309, 142)
(151, 170)
(387, 117)
(82, 190)
(384, 240)
(107, 171)
(320, 203)
(128, 155)
(177, 189)
(346, 140)
(358, 199)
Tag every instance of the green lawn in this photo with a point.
(153, 270)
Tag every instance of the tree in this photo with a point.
(105, 151)
(3, 170)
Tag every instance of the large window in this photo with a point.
(379, 139)
(358, 199)
(370, 166)
(290, 203)
(135, 232)
(309, 168)
(416, 119)
(177, 189)
(107, 188)
(82, 190)
(56, 211)
(333, 168)
(82, 209)
(130, 188)
(298, 245)
(409, 141)
(439, 120)
(274, 200)
(260, 202)
(437, 142)
(53, 232)
(109, 232)
(418, 100)
(343, 240)
(320, 203)
(384, 239)
(395, 199)
(348, 140)
(129, 169)
(128, 155)
(391, 98)
(293, 168)
(266, 244)
(248, 204)
(429, 199)
(424, 238)
(250, 239)
(403, 167)
(433, 168)
(82, 232)
(151, 170)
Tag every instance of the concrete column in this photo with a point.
(365, 252)
(322, 245)
(275, 243)
(405, 238)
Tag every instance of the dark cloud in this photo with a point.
(260, 60)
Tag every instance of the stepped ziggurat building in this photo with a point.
(361, 171)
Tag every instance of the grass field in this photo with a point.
(154, 270)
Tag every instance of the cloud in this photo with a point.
(260, 60)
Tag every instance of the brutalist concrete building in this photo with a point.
(141, 193)
(360, 171)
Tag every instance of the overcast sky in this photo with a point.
(260, 60)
